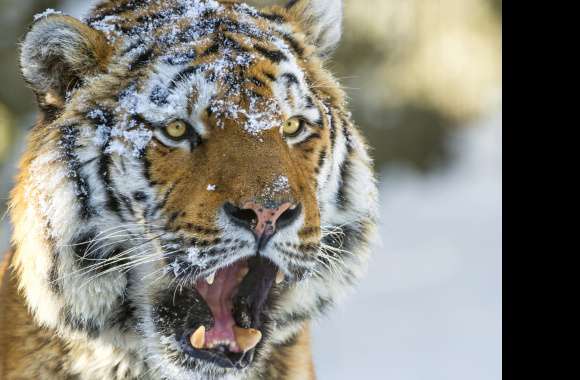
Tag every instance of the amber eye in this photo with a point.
(177, 129)
(292, 127)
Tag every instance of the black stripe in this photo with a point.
(94, 254)
(83, 324)
(140, 196)
(321, 160)
(159, 96)
(257, 81)
(180, 58)
(270, 76)
(127, 203)
(279, 19)
(275, 56)
(313, 136)
(105, 118)
(213, 49)
(112, 202)
(126, 6)
(291, 3)
(347, 135)
(141, 60)
(146, 169)
(232, 44)
(341, 196)
(124, 315)
(133, 46)
(184, 75)
(85, 248)
(164, 200)
(332, 127)
(68, 145)
(295, 45)
(290, 79)
(55, 283)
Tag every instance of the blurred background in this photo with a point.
(424, 80)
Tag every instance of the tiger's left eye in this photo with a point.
(292, 127)
(177, 129)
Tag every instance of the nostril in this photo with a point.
(288, 216)
(244, 216)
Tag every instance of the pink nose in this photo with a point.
(263, 221)
(267, 217)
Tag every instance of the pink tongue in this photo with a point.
(219, 296)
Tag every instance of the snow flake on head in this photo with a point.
(46, 13)
(257, 118)
(168, 19)
(280, 185)
(177, 33)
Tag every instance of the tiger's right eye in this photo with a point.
(177, 129)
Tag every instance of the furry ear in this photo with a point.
(322, 22)
(57, 53)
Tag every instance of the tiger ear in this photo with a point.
(321, 20)
(57, 53)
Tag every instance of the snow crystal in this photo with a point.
(176, 268)
(179, 43)
(279, 185)
(46, 13)
(192, 254)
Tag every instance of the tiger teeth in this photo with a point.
(198, 338)
(247, 338)
(210, 279)
(242, 273)
(279, 277)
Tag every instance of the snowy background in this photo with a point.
(430, 307)
(424, 77)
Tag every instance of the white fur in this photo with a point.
(323, 20)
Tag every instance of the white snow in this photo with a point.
(46, 13)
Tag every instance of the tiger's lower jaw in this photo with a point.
(224, 321)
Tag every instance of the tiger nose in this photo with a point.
(263, 221)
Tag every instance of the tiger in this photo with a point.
(193, 195)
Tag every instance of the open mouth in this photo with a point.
(236, 296)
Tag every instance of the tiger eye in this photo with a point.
(291, 127)
(176, 129)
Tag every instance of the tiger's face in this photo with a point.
(215, 181)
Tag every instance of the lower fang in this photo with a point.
(247, 338)
(198, 338)
(279, 277)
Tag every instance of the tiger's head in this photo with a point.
(195, 184)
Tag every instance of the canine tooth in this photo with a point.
(198, 337)
(242, 273)
(210, 279)
(247, 338)
(279, 277)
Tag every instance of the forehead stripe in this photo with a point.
(275, 56)
(184, 75)
(141, 60)
(129, 5)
